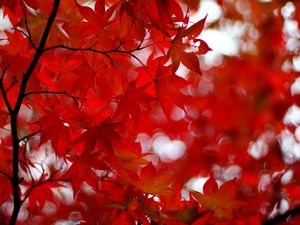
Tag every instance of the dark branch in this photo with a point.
(11, 85)
(15, 181)
(106, 53)
(30, 135)
(26, 35)
(26, 24)
(39, 52)
(5, 174)
(4, 92)
(41, 182)
(75, 98)
(282, 217)
(91, 49)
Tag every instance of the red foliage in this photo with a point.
(107, 118)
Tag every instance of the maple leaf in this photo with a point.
(98, 17)
(81, 171)
(82, 79)
(55, 130)
(42, 193)
(152, 182)
(167, 88)
(15, 52)
(127, 156)
(103, 134)
(137, 98)
(177, 51)
(221, 201)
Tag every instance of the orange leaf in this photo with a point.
(220, 201)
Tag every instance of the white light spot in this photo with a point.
(289, 147)
(145, 142)
(292, 116)
(284, 206)
(296, 63)
(232, 172)
(288, 10)
(228, 46)
(197, 183)
(168, 150)
(5, 24)
(265, 180)
(287, 177)
(295, 88)
(297, 133)
(209, 8)
(258, 149)
(66, 124)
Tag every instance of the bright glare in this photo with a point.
(220, 42)
(197, 183)
(168, 150)
(209, 8)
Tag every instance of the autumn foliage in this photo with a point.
(110, 111)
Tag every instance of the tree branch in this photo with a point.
(28, 35)
(4, 92)
(91, 49)
(15, 111)
(282, 217)
(75, 98)
(5, 174)
(29, 135)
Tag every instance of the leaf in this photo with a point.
(103, 134)
(133, 102)
(193, 31)
(55, 130)
(151, 182)
(78, 172)
(41, 194)
(210, 186)
(167, 88)
(178, 52)
(220, 201)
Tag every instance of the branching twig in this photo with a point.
(91, 49)
(26, 24)
(4, 92)
(75, 98)
(16, 109)
(11, 85)
(40, 184)
(106, 53)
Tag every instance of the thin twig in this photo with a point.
(91, 49)
(26, 24)
(75, 98)
(4, 92)
(11, 85)
(24, 138)
(5, 174)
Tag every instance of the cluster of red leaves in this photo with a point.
(111, 73)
